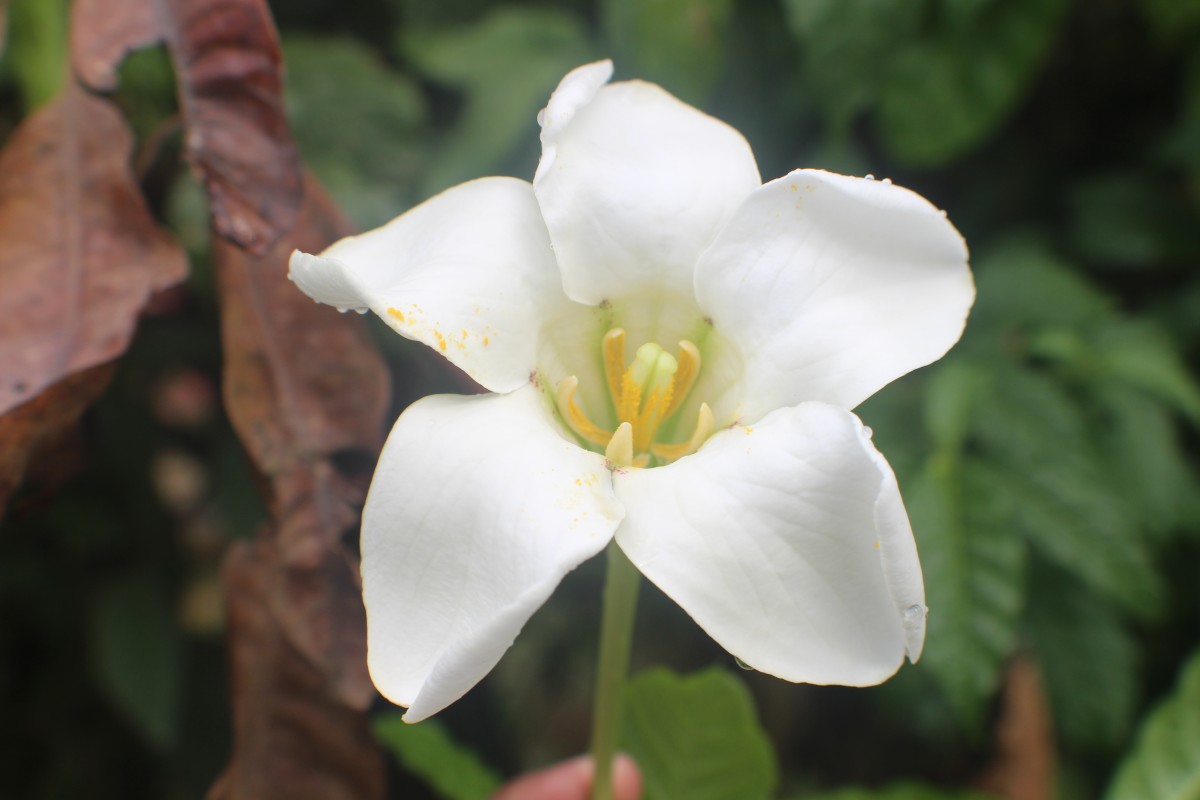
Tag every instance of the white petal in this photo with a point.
(832, 287)
(634, 184)
(469, 273)
(788, 543)
(477, 510)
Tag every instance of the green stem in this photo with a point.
(612, 665)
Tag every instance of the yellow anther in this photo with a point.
(704, 429)
(620, 448)
(685, 376)
(564, 397)
(650, 418)
(630, 398)
(614, 363)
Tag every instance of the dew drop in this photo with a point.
(915, 613)
(743, 664)
(870, 177)
(868, 431)
(541, 118)
(943, 213)
(887, 181)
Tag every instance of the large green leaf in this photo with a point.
(974, 582)
(505, 66)
(1141, 355)
(1145, 455)
(1165, 763)
(137, 655)
(946, 92)
(677, 43)
(428, 751)
(1023, 287)
(697, 737)
(1047, 479)
(359, 125)
(954, 388)
(1081, 645)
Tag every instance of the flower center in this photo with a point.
(645, 393)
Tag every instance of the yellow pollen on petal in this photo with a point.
(397, 314)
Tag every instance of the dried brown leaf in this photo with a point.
(36, 438)
(229, 70)
(306, 392)
(81, 258)
(103, 32)
(292, 739)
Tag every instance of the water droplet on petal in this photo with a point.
(743, 664)
(541, 118)
(915, 613)
(867, 431)
(870, 177)
(887, 181)
(943, 213)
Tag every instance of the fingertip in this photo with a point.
(627, 778)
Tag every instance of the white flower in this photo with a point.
(742, 485)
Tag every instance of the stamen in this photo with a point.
(564, 397)
(620, 447)
(685, 376)
(613, 349)
(631, 398)
(704, 429)
(650, 418)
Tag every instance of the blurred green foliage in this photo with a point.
(1050, 464)
(697, 737)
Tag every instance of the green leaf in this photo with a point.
(949, 90)
(1165, 762)
(359, 125)
(1046, 477)
(1080, 645)
(1131, 219)
(677, 43)
(137, 655)
(1145, 455)
(1023, 286)
(974, 569)
(899, 791)
(37, 48)
(1141, 355)
(950, 396)
(697, 737)
(846, 47)
(427, 751)
(505, 66)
